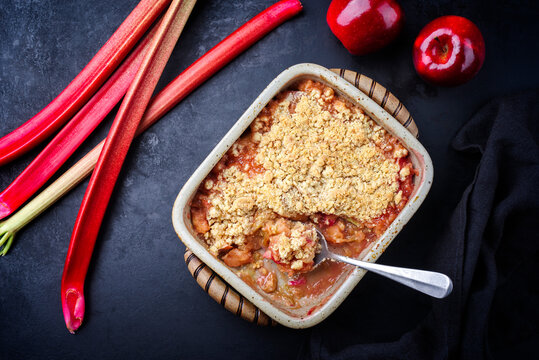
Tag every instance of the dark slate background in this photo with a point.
(141, 300)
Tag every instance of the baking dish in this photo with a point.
(422, 183)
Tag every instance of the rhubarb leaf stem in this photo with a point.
(5, 241)
(109, 164)
(50, 195)
(54, 155)
(86, 83)
(171, 95)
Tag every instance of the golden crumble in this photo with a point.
(316, 153)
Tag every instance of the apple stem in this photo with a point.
(445, 48)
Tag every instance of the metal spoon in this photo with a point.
(428, 282)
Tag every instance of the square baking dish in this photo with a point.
(181, 217)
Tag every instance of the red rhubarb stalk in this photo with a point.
(112, 156)
(85, 84)
(73, 134)
(220, 55)
(191, 78)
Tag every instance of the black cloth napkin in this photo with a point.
(490, 250)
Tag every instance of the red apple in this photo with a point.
(449, 51)
(364, 26)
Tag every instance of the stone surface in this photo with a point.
(141, 300)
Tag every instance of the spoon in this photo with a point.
(431, 283)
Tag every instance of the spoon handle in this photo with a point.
(428, 282)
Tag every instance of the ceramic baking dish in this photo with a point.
(422, 182)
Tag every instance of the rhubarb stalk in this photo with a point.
(112, 156)
(85, 84)
(190, 79)
(221, 54)
(62, 146)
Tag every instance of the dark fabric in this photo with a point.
(490, 250)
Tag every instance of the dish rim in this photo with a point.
(379, 115)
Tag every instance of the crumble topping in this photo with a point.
(316, 154)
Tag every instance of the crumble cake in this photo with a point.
(310, 159)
